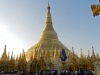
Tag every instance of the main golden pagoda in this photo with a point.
(48, 41)
(45, 55)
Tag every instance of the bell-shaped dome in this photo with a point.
(48, 39)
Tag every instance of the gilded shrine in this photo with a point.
(46, 55)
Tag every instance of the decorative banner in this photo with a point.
(63, 55)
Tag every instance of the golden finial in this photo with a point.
(81, 55)
(12, 55)
(88, 54)
(93, 55)
(23, 52)
(5, 48)
(5, 45)
(23, 55)
(93, 51)
(48, 5)
(17, 57)
(92, 47)
(81, 50)
(73, 50)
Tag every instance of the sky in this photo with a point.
(22, 22)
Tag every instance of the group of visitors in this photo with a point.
(49, 72)
(66, 72)
(55, 72)
(76, 72)
(12, 73)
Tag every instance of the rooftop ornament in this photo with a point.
(95, 9)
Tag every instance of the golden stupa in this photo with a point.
(45, 55)
(48, 40)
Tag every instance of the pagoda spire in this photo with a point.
(20, 57)
(48, 17)
(48, 5)
(88, 54)
(93, 54)
(48, 25)
(81, 55)
(12, 55)
(93, 51)
(4, 56)
(48, 29)
(73, 50)
(17, 58)
(5, 49)
(23, 55)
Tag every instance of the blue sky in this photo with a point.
(22, 22)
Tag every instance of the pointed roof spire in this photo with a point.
(12, 55)
(48, 19)
(81, 51)
(17, 58)
(73, 49)
(4, 55)
(92, 47)
(48, 29)
(5, 49)
(93, 54)
(73, 52)
(48, 6)
(93, 51)
(81, 55)
(23, 55)
(88, 54)
(20, 57)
